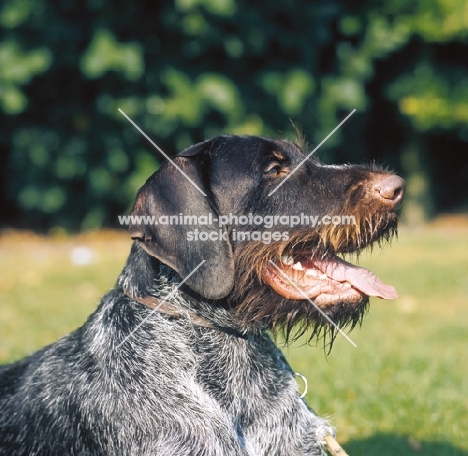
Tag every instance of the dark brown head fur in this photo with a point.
(239, 175)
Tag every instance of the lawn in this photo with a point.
(404, 389)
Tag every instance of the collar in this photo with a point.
(164, 307)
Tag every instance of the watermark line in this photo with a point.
(160, 304)
(315, 305)
(162, 152)
(235, 220)
(308, 156)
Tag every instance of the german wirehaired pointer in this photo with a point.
(232, 242)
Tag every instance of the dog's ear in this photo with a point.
(174, 241)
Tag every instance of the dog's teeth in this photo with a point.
(312, 272)
(323, 276)
(347, 284)
(298, 266)
(286, 259)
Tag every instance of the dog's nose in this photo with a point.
(391, 189)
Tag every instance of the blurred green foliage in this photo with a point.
(18, 68)
(106, 54)
(185, 70)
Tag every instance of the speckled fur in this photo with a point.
(171, 388)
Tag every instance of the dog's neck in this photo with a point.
(155, 285)
(139, 274)
(162, 306)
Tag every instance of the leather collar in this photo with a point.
(167, 308)
(159, 305)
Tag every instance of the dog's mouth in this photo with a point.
(326, 281)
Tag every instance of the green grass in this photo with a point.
(404, 389)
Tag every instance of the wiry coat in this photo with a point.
(171, 389)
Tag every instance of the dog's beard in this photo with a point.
(289, 286)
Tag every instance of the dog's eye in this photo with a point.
(273, 171)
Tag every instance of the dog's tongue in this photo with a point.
(360, 278)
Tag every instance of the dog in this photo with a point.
(234, 240)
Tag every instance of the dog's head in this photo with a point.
(254, 222)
